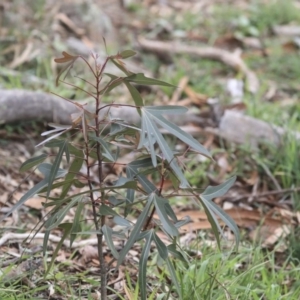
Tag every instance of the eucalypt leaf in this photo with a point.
(213, 210)
(149, 237)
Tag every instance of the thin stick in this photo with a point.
(268, 193)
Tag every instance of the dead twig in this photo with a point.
(231, 59)
(264, 194)
(53, 238)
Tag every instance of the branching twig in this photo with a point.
(231, 59)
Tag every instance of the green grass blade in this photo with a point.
(174, 277)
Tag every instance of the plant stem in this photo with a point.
(98, 230)
(159, 193)
(103, 268)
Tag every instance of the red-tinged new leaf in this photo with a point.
(66, 67)
(66, 58)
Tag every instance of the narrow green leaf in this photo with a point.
(45, 241)
(122, 222)
(174, 277)
(212, 209)
(67, 229)
(136, 229)
(31, 162)
(170, 212)
(136, 96)
(179, 133)
(163, 216)
(105, 148)
(172, 250)
(167, 153)
(223, 216)
(139, 163)
(143, 136)
(166, 109)
(143, 235)
(143, 266)
(114, 201)
(46, 168)
(55, 166)
(127, 53)
(59, 184)
(161, 247)
(183, 222)
(151, 139)
(107, 211)
(67, 152)
(147, 185)
(76, 228)
(53, 143)
(219, 190)
(123, 183)
(129, 198)
(121, 66)
(109, 241)
(140, 78)
(114, 82)
(73, 170)
(215, 226)
(62, 212)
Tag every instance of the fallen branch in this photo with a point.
(22, 105)
(238, 128)
(265, 194)
(53, 238)
(231, 59)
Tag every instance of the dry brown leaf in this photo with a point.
(36, 203)
(276, 234)
(178, 91)
(128, 293)
(243, 218)
(196, 98)
(88, 253)
(70, 24)
(253, 178)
